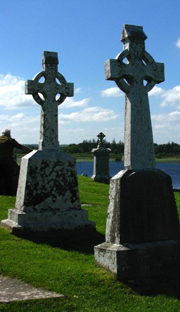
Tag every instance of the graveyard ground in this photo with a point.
(68, 267)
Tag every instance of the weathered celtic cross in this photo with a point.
(136, 79)
(49, 94)
(142, 212)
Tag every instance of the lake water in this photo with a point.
(171, 168)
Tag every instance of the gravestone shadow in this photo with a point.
(80, 241)
(85, 245)
(3, 187)
(169, 288)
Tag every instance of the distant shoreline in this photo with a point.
(90, 159)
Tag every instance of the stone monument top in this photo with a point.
(101, 161)
(136, 79)
(49, 94)
(101, 137)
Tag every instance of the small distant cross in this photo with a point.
(101, 136)
(136, 78)
(49, 93)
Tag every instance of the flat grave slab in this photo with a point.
(11, 289)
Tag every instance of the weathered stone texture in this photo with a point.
(49, 198)
(54, 90)
(51, 182)
(130, 77)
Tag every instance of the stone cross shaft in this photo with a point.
(49, 89)
(136, 78)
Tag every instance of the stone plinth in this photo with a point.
(149, 267)
(142, 230)
(47, 197)
(101, 165)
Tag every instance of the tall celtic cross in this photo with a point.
(49, 89)
(136, 78)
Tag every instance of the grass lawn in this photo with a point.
(168, 159)
(68, 267)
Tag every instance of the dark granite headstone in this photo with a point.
(142, 244)
(146, 208)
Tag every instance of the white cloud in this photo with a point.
(175, 116)
(87, 133)
(111, 92)
(12, 93)
(19, 120)
(171, 97)
(167, 122)
(178, 43)
(69, 102)
(24, 128)
(92, 114)
(166, 127)
(77, 90)
(156, 91)
(17, 116)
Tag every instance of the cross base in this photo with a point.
(149, 268)
(47, 197)
(49, 224)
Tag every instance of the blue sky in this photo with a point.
(86, 33)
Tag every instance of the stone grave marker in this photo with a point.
(142, 231)
(101, 161)
(47, 199)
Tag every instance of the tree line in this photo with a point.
(117, 148)
(87, 145)
(167, 150)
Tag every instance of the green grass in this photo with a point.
(177, 198)
(68, 267)
(168, 159)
